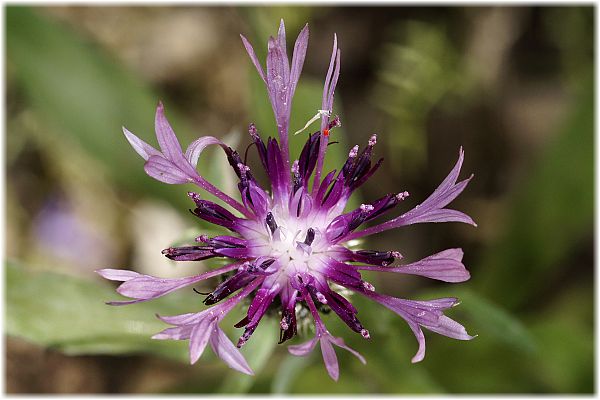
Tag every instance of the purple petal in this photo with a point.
(148, 287)
(340, 343)
(330, 359)
(420, 355)
(253, 57)
(145, 287)
(445, 266)
(430, 210)
(182, 319)
(140, 147)
(304, 348)
(441, 215)
(122, 275)
(298, 60)
(165, 171)
(166, 137)
(449, 327)
(178, 333)
(226, 351)
(200, 336)
(197, 147)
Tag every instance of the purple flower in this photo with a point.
(288, 244)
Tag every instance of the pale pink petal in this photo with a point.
(304, 348)
(140, 147)
(330, 359)
(226, 351)
(197, 147)
(165, 171)
(122, 275)
(253, 57)
(199, 337)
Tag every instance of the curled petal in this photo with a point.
(197, 147)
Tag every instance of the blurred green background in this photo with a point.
(514, 86)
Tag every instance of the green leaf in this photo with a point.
(69, 314)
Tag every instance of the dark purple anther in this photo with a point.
(228, 287)
(189, 253)
(372, 257)
(310, 236)
(270, 220)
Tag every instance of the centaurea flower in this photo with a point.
(289, 245)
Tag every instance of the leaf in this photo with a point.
(69, 314)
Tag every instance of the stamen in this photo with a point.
(365, 334)
(353, 152)
(366, 208)
(321, 297)
(368, 286)
(295, 168)
(202, 238)
(373, 140)
(310, 236)
(283, 324)
(396, 254)
(253, 132)
(402, 196)
(271, 222)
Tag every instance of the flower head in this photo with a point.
(288, 244)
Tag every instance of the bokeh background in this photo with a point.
(512, 85)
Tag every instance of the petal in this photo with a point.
(445, 266)
(420, 355)
(178, 333)
(166, 136)
(330, 359)
(140, 147)
(200, 336)
(122, 275)
(197, 147)
(298, 60)
(182, 319)
(146, 287)
(226, 351)
(253, 57)
(439, 215)
(304, 348)
(448, 327)
(165, 171)
(340, 343)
